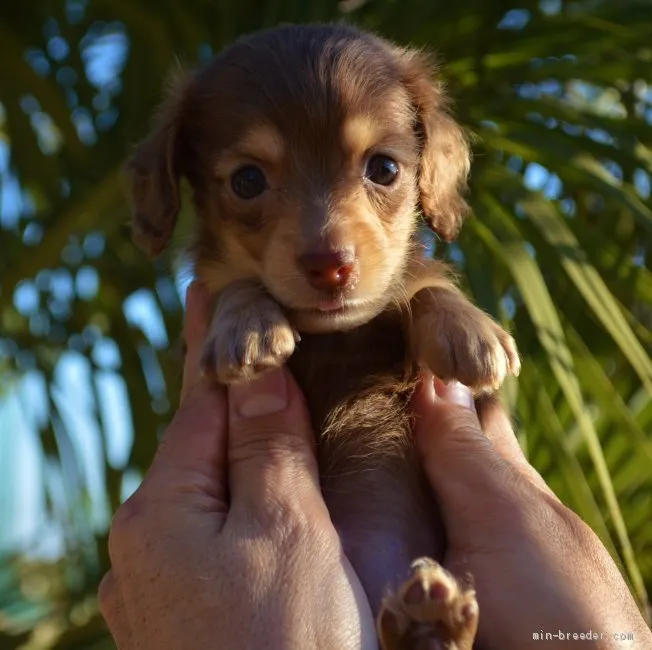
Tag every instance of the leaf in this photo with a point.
(613, 406)
(80, 217)
(575, 168)
(583, 501)
(540, 306)
(590, 285)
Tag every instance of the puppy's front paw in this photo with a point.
(430, 610)
(246, 342)
(466, 345)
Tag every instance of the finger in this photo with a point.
(454, 449)
(271, 448)
(498, 427)
(112, 608)
(495, 425)
(187, 476)
(464, 468)
(194, 333)
(194, 444)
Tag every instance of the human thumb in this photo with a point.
(467, 473)
(271, 444)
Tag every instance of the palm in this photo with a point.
(559, 251)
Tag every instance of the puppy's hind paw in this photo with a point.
(430, 611)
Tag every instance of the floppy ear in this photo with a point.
(445, 152)
(154, 172)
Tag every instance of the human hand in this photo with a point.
(228, 543)
(536, 565)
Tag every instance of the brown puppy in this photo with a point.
(309, 150)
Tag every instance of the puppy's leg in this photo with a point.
(249, 334)
(430, 610)
(457, 340)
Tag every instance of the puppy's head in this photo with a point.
(309, 150)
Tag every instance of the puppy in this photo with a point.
(310, 151)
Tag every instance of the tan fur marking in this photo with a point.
(261, 143)
(360, 133)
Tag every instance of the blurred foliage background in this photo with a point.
(559, 95)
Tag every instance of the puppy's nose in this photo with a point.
(328, 271)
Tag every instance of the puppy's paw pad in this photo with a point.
(431, 610)
(244, 347)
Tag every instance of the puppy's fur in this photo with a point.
(311, 107)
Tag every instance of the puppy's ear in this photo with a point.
(154, 171)
(445, 152)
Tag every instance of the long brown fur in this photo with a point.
(310, 106)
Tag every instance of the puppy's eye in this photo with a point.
(381, 170)
(249, 182)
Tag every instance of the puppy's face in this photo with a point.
(309, 150)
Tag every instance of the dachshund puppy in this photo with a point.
(310, 151)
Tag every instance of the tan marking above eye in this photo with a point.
(359, 134)
(365, 135)
(262, 143)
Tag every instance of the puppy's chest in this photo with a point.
(340, 372)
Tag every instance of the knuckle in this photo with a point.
(270, 445)
(572, 525)
(129, 512)
(546, 512)
(107, 593)
(126, 523)
(286, 519)
(204, 410)
(462, 427)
